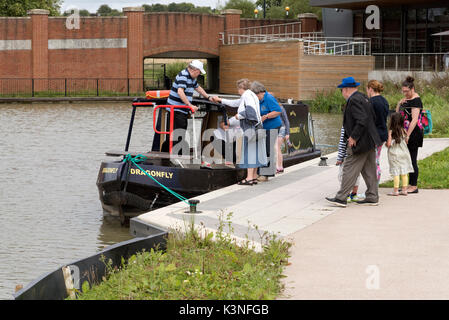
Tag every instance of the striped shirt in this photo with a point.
(185, 81)
(342, 146)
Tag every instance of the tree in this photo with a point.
(246, 6)
(82, 13)
(105, 10)
(176, 7)
(276, 8)
(12, 8)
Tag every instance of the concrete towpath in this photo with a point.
(398, 249)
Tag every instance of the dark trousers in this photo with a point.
(364, 163)
(179, 122)
(413, 176)
(270, 169)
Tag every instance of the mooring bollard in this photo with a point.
(193, 204)
(323, 162)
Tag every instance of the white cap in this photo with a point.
(199, 65)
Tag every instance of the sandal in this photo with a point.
(279, 171)
(245, 183)
(393, 194)
(254, 181)
(403, 193)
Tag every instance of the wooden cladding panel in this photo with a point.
(286, 71)
(324, 73)
(274, 64)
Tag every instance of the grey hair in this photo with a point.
(257, 87)
(243, 84)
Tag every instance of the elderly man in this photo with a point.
(362, 137)
(182, 94)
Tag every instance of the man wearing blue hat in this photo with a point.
(362, 137)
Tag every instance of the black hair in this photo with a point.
(397, 126)
(409, 82)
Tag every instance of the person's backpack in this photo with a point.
(426, 121)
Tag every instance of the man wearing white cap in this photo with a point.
(182, 94)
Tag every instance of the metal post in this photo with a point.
(436, 63)
(128, 86)
(97, 88)
(32, 87)
(396, 62)
(65, 87)
(384, 60)
(130, 130)
(422, 62)
(408, 62)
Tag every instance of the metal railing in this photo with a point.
(435, 62)
(74, 87)
(337, 46)
(314, 42)
(274, 32)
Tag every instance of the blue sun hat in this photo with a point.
(348, 82)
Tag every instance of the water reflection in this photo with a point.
(327, 131)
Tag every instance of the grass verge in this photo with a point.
(196, 268)
(433, 172)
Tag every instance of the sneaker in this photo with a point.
(368, 202)
(262, 178)
(337, 202)
(353, 198)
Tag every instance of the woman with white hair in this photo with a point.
(270, 111)
(253, 154)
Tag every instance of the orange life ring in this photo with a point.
(152, 94)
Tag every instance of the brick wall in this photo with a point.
(181, 32)
(41, 47)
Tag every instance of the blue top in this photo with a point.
(267, 105)
(185, 81)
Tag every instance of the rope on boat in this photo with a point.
(140, 158)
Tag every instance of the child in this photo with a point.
(340, 162)
(284, 134)
(398, 155)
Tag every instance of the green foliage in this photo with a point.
(82, 13)
(433, 172)
(104, 10)
(10, 8)
(331, 101)
(246, 6)
(276, 8)
(174, 68)
(176, 7)
(196, 267)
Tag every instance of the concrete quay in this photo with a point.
(397, 250)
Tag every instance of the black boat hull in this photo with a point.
(133, 193)
(127, 192)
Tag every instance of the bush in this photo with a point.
(211, 266)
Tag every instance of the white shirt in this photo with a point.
(248, 98)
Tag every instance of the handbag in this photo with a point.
(252, 129)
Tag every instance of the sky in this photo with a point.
(93, 5)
